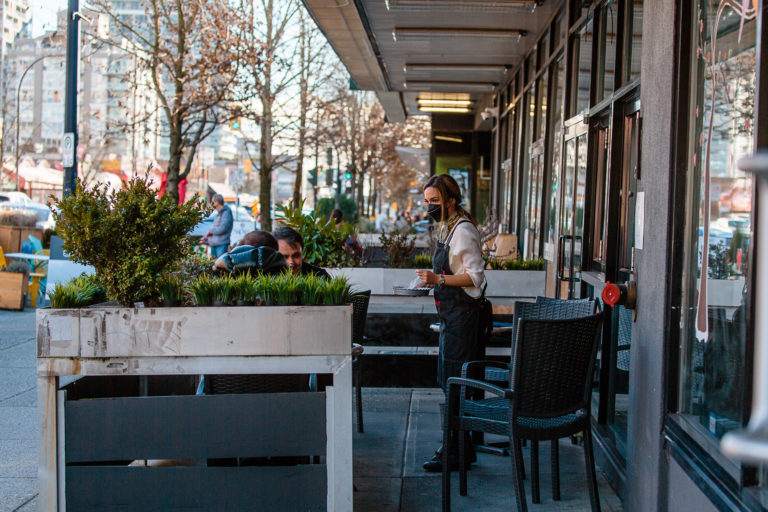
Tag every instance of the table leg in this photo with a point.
(339, 438)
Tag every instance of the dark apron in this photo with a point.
(459, 316)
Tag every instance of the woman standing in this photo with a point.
(459, 282)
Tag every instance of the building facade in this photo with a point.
(614, 132)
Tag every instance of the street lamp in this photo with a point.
(18, 110)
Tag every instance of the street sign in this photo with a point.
(236, 177)
(68, 150)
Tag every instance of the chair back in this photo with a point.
(566, 308)
(360, 302)
(41, 267)
(553, 364)
(3, 263)
(37, 245)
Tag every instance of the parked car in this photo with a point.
(21, 201)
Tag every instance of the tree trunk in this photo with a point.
(174, 163)
(265, 164)
(303, 107)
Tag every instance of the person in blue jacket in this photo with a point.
(218, 236)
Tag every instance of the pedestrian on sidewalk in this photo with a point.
(219, 236)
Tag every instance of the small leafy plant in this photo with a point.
(78, 292)
(325, 244)
(398, 246)
(422, 261)
(171, 289)
(532, 264)
(203, 290)
(18, 218)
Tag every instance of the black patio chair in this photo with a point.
(360, 302)
(548, 397)
(544, 308)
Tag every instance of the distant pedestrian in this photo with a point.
(219, 235)
(337, 216)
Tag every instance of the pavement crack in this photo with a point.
(25, 503)
(405, 449)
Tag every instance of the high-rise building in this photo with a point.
(15, 17)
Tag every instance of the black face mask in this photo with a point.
(435, 211)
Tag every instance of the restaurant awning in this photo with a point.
(418, 54)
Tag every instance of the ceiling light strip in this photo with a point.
(455, 110)
(447, 103)
(426, 32)
(492, 68)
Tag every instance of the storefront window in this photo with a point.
(719, 218)
(555, 145)
(541, 117)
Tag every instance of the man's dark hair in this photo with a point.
(289, 236)
(259, 239)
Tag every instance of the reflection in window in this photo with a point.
(719, 216)
(541, 118)
(635, 17)
(584, 70)
(555, 144)
(608, 29)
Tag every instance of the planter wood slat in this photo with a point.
(11, 237)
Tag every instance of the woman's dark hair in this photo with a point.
(259, 239)
(448, 189)
(337, 215)
(289, 236)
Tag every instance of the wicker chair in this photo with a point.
(543, 309)
(359, 313)
(548, 397)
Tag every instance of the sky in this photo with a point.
(44, 15)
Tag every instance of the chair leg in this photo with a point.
(445, 459)
(594, 497)
(555, 460)
(535, 495)
(462, 463)
(358, 395)
(516, 456)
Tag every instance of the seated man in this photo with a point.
(257, 251)
(291, 246)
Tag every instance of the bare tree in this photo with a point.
(268, 25)
(190, 54)
(313, 75)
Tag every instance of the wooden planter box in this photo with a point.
(13, 290)
(11, 237)
(81, 437)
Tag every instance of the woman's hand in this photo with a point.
(427, 277)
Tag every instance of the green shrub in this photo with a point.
(347, 206)
(18, 218)
(17, 267)
(422, 261)
(398, 246)
(325, 244)
(129, 236)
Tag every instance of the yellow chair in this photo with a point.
(38, 277)
(3, 263)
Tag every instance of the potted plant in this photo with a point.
(14, 280)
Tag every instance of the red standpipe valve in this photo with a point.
(624, 294)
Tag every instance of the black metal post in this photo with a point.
(70, 95)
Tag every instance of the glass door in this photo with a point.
(532, 233)
(572, 212)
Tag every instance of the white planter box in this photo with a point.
(504, 287)
(193, 341)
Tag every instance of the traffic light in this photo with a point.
(348, 175)
(235, 121)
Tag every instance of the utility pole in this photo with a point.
(70, 95)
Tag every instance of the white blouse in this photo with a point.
(466, 257)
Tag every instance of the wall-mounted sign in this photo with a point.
(68, 150)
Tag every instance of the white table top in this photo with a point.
(27, 256)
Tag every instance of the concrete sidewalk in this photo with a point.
(18, 414)
(402, 430)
